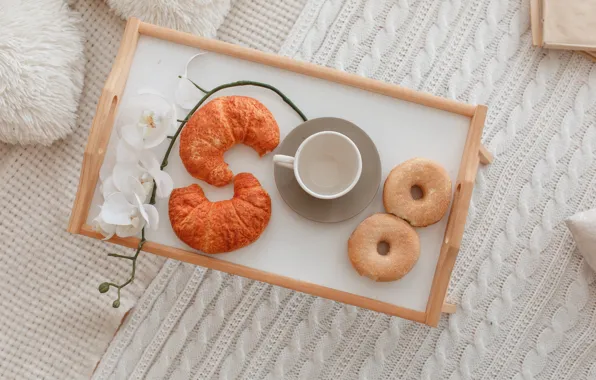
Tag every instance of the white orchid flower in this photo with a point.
(145, 121)
(145, 168)
(187, 95)
(106, 229)
(163, 181)
(121, 175)
(140, 164)
(127, 212)
(124, 216)
(124, 154)
(108, 187)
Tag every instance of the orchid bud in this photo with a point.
(104, 287)
(116, 304)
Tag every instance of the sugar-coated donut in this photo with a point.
(404, 248)
(433, 181)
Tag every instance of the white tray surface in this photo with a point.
(291, 245)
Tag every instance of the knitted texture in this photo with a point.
(526, 299)
(260, 24)
(55, 323)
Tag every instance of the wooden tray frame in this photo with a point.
(473, 154)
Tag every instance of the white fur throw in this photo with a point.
(41, 70)
(201, 17)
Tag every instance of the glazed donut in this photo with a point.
(432, 180)
(404, 248)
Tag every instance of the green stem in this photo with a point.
(121, 256)
(133, 258)
(256, 84)
(196, 85)
(164, 163)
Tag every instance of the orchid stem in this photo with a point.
(104, 287)
(249, 83)
(121, 256)
(197, 86)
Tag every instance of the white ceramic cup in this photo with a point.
(327, 164)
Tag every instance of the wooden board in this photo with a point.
(568, 24)
(541, 37)
(294, 252)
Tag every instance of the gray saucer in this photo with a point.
(330, 210)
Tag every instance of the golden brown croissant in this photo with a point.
(217, 227)
(219, 125)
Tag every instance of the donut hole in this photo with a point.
(383, 248)
(416, 192)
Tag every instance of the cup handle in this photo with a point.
(284, 161)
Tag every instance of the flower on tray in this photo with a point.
(152, 169)
(146, 120)
(132, 177)
(187, 92)
(139, 164)
(127, 212)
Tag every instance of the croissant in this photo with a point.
(224, 226)
(219, 125)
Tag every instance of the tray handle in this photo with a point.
(93, 157)
(101, 128)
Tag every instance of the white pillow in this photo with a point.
(42, 65)
(201, 17)
(583, 228)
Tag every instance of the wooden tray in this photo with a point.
(293, 252)
(537, 19)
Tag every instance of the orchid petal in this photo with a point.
(149, 161)
(106, 229)
(134, 113)
(152, 216)
(116, 210)
(121, 174)
(126, 231)
(187, 95)
(137, 221)
(165, 184)
(149, 213)
(148, 186)
(108, 187)
(200, 53)
(173, 127)
(136, 190)
(139, 204)
(133, 135)
(126, 153)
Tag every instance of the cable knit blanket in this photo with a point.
(54, 324)
(527, 302)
